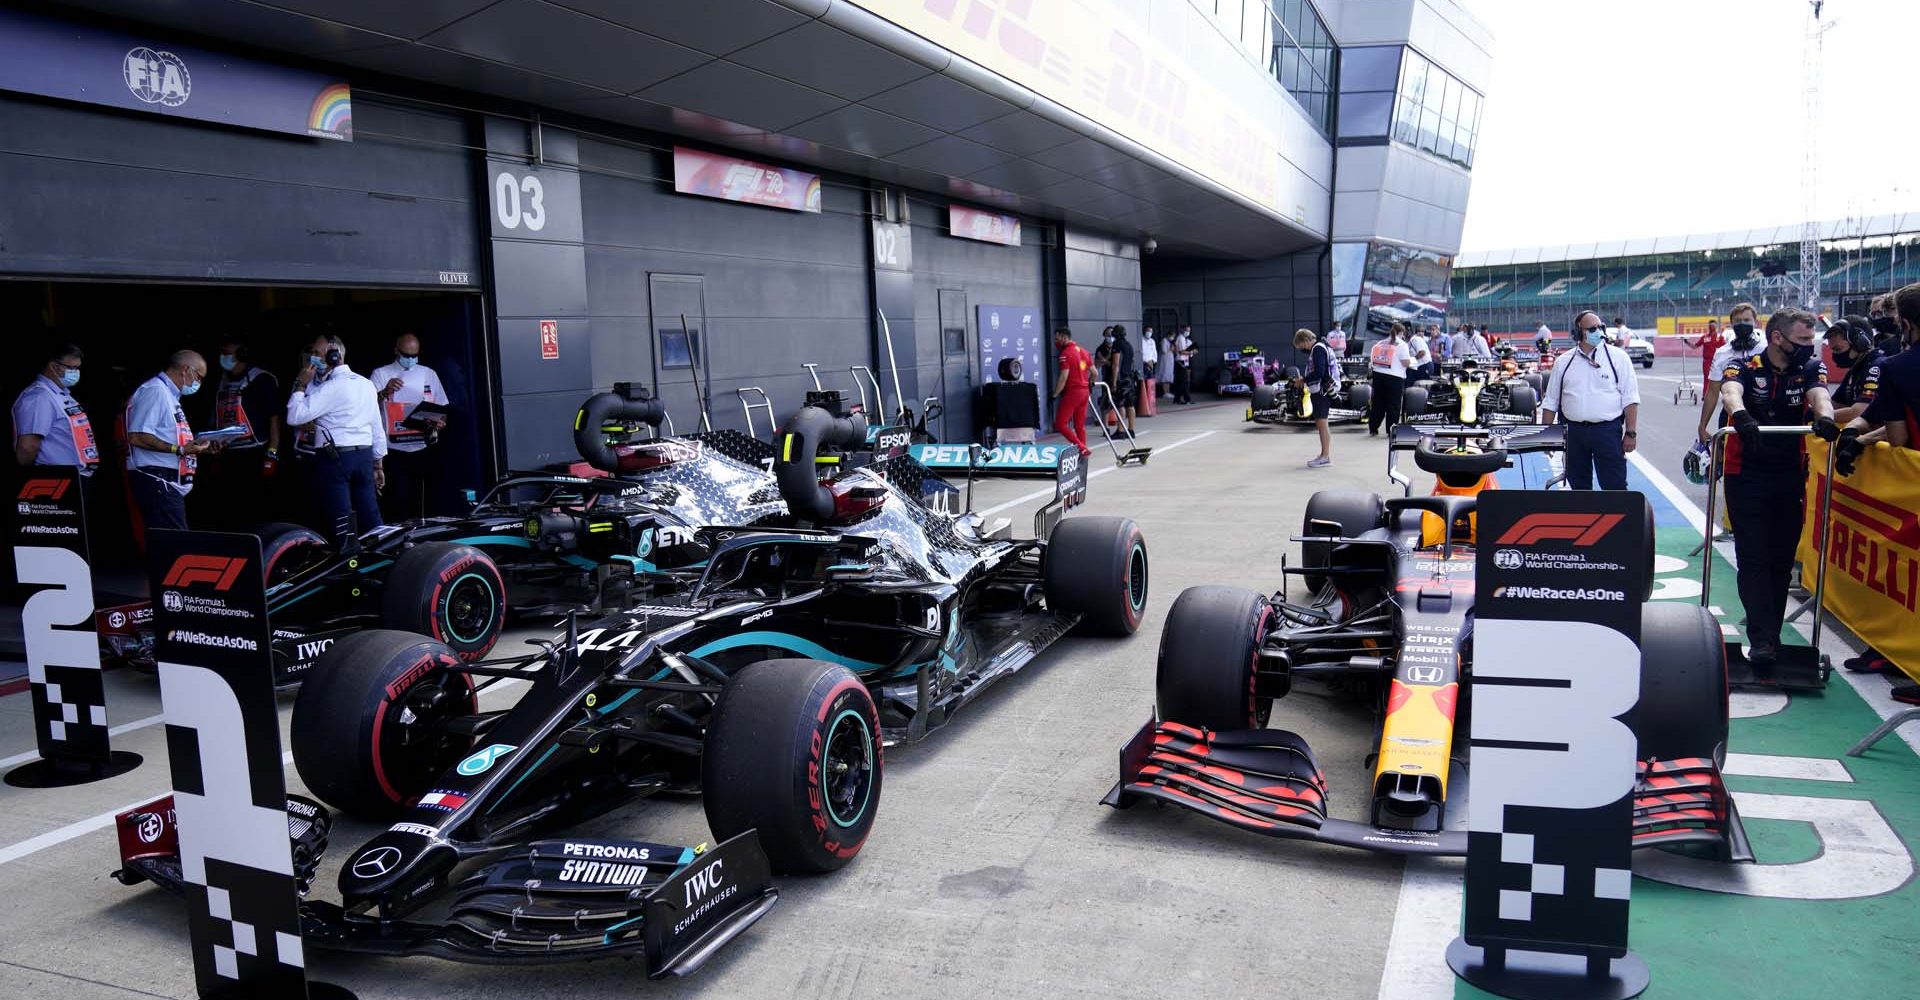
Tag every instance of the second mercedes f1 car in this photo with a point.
(854, 617)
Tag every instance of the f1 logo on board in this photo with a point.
(217, 570)
(1580, 529)
(44, 489)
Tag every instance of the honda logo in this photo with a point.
(219, 571)
(1580, 529)
(44, 489)
(1425, 675)
(376, 862)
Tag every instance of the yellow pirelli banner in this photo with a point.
(1873, 547)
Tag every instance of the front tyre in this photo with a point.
(793, 752)
(449, 591)
(370, 725)
(1208, 649)
(1096, 567)
(1683, 683)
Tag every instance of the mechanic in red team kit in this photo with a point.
(1766, 475)
(1070, 389)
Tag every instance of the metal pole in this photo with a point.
(893, 366)
(694, 355)
(1820, 547)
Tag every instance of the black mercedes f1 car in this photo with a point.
(537, 542)
(855, 617)
(1389, 619)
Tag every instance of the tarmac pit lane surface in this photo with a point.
(992, 870)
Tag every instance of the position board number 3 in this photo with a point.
(517, 200)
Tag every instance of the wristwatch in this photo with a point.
(1633, 434)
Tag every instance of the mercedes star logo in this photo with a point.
(376, 862)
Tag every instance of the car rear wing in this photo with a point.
(1519, 439)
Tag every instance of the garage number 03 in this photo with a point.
(518, 201)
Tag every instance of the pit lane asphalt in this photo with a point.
(992, 870)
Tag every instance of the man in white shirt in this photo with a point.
(1471, 343)
(1337, 341)
(1593, 391)
(1389, 359)
(1149, 370)
(1422, 357)
(350, 439)
(403, 386)
(1182, 347)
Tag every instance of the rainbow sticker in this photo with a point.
(332, 114)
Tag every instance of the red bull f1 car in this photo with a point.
(855, 617)
(1388, 618)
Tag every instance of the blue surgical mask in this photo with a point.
(70, 377)
(406, 363)
(319, 363)
(190, 388)
(227, 361)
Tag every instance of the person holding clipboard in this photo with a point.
(162, 452)
(414, 405)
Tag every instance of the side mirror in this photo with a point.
(1319, 526)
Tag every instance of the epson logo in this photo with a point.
(704, 881)
(620, 851)
(892, 440)
(1069, 463)
(603, 873)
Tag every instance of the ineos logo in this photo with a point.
(376, 862)
(1507, 558)
(157, 77)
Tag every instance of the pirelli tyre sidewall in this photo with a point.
(1208, 650)
(451, 592)
(793, 752)
(285, 549)
(369, 728)
(1355, 511)
(1683, 709)
(1097, 567)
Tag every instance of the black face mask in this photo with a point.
(1887, 325)
(1743, 331)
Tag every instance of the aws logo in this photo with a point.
(1581, 529)
(219, 571)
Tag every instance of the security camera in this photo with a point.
(1149, 245)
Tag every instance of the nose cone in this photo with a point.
(393, 868)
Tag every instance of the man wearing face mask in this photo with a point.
(1594, 392)
(350, 440)
(247, 397)
(1894, 412)
(1745, 344)
(1886, 325)
(404, 385)
(162, 455)
(1850, 350)
(49, 427)
(1784, 385)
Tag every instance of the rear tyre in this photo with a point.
(793, 752)
(1354, 511)
(1522, 400)
(451, 592)
(1537, 380)
(286, 549)
(1207, 652)
(1359, 396)
(1413, 401)
(1683, 683)
(369, 725)
(1097, 567)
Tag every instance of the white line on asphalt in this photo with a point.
(1037, 494)
(80, 828)
(125, 727)
(1764, 765)
(1425, 920)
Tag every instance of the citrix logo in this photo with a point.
(217, 570)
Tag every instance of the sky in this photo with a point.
(1611, 119)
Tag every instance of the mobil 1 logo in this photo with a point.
(1558, 584)
(212, 642)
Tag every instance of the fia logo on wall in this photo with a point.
(155, 77)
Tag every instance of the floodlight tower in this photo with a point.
(1811, 68)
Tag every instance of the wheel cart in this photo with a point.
(1797, 668)
(1686, 387)
(1134, 455)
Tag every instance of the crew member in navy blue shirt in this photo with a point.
(1766, 474)
(1896, 388)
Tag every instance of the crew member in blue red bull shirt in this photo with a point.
(49, 426)
(1894, 381)
(1784, 385)
(162, 454)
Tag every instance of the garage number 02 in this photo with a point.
(518, 201)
